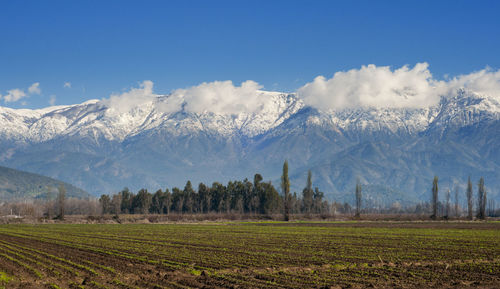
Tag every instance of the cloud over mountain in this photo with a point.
(485, 81)
(372, 86)
(94, 147)
(124, 102)
(220, 97)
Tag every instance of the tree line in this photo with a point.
(258, 197)
(243, 197)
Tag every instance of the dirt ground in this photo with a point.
(37, 262)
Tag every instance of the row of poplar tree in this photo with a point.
(481, 199)
(255, 197)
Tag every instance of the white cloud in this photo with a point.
(485, 82)
(34, 88)
(121, 103)
(220, 97)
(52, 100)
(17, 94)
(67, 84)
(373, 86)
(14, 95)
(369, 86)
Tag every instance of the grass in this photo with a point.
(4, 279)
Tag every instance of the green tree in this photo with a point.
(177, 200)
(318, 201)
(168, 201)
(205, 197)
(248, 198)
(469, 195)
(307, 194)
(269, 198)
(218, 193)
(141, 202)
(105, 202)
(126, 201)
(226, 199)
(189, 198)
(158, 202)
(257, 178)
(259, 193)
(481, 196)
(285, 187)
(434, 197)
(237, 195)
(358, 198)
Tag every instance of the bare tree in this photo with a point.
(491, 208)
(61, 197)
(447, 209)
(457, 213)
(49, 203)
(116, 201)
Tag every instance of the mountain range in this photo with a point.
(395, 152)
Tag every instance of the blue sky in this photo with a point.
(104, 47)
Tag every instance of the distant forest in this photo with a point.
(241, 197)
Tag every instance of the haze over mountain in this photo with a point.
(19, 185)
(393, 130)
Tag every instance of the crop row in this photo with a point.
(251, 255)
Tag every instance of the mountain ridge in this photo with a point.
(147, 147)
(20, 185)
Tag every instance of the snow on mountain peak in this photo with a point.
(97, 118)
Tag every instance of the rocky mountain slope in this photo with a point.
(397, 151)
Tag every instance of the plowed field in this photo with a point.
(251, 255)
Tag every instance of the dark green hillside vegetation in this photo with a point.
(18, 185)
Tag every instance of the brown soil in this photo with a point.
(119, 272)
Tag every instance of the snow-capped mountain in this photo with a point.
(102, 150)
(93, 119)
